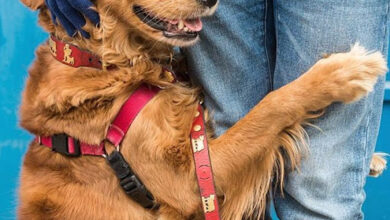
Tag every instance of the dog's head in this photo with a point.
(175, 22)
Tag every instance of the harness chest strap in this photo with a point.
(70, 146)
(128, 180)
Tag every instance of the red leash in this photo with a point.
(203, 167)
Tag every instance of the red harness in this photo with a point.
(73, 56)
(69, 146)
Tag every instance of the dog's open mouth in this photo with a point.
(184, 29)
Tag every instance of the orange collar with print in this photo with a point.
(73, 56)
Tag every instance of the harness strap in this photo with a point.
(204, 172)
(128, 112)
(69, 146)
(129, 181)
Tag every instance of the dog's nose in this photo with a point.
(208, 3)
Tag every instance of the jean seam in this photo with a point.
(270, 78)
(367, 131)
(386, 28)
(276, 23)
(367, 160)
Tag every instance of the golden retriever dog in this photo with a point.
(136, 37)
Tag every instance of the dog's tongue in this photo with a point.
(194, 24)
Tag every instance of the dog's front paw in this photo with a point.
(378, 164)
(353, 74)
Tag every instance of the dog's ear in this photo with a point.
(33, 4)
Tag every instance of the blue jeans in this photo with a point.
(251, 47)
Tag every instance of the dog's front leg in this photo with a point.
(245, 157)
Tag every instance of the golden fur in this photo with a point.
(82, 102)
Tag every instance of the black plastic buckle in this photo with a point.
(60, 145)
(129, 182)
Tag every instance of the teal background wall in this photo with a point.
(19, 36)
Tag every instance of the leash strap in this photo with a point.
(203, 167)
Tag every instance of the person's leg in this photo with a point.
(232, 62)
(331, 179)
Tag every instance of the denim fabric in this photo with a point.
(251, 47)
